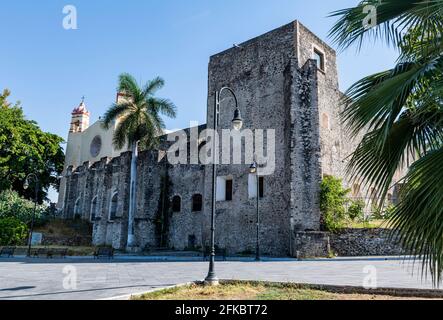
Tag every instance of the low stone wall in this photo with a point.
(346, 243)
(364, 242)
(310, 244)
(51, 240)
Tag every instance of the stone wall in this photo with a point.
(346, 243)
(364, 242)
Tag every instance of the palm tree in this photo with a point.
(138, 122)
(401, 112)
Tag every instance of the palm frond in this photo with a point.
(139, 117)
(128, 85)
(114, 112)
(163, 106)
(394, 19)
(153, 86)
(419, 216)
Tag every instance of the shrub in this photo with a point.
(12, 205)
(333, 198)
(12, 231)
(356, 210)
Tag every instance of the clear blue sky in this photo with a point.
(49, 68)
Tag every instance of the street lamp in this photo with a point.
(237, 124)
(253, 169)
(32, 176)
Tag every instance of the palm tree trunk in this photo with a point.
(132, 196)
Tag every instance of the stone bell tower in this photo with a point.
(79, 123)
(80, 118)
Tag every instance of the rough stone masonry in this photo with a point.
(284, 80)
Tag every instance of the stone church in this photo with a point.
(285, 80)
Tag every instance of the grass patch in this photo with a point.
(373, 224)
(257, 291)
(66, 228)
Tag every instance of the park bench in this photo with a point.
(40, 252)
(62, 253)
(104, 252)
(7, 251)
(49, 253)
(219, 252)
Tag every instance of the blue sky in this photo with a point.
(49, 68)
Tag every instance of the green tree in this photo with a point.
(333, 200)
(139, 122)
(401, 111)
(12, 231)
(12, 205)
(25, 148)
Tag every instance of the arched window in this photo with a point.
(325, 121)
(113, 208)
(197, 203)
(94, 209)
(77, 210)
(176, 204)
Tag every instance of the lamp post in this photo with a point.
(32, 176)
(237, 123)
(253, 169)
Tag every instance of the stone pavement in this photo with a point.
(22, 278)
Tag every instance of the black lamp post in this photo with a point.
(253, 169)
(237, 123)
(29, 177)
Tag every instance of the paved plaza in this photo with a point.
(84, 278)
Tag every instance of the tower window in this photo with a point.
(224, 189)
(197, 203)
(228, 190)
(176, 204)
(325, 121)
(252, 186)
(320, 58)
(113, 208)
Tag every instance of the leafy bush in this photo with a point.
(333, 199)
(12, 205)
(356, 210)
(12, 231)
(383, 214)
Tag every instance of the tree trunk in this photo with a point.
(132, 196)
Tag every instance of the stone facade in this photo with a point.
(284, 80)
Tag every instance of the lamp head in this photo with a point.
(26, 184)
(237, 122)
(253, 168)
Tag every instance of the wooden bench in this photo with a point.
(49, 253)
(104, 252)
(219, 252)
(62, 253)
(40, 252)
(7, 251)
